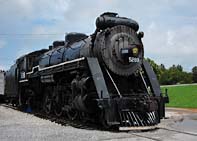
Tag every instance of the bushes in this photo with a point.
(175, 76)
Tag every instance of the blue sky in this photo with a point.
(170, 26)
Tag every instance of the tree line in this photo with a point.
(174, 74)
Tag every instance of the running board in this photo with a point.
(98, 78)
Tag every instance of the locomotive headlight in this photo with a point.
(135, 51)
(124, 51)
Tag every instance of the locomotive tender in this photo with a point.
(102, 77)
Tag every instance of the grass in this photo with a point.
(182, 96)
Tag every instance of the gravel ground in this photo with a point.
(18, 126)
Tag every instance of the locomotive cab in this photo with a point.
(27, 62)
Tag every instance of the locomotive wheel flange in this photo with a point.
(58, 106)
(47, 104)
(72, 114)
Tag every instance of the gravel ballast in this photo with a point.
(19, 126)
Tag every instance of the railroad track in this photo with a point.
(178, 131)
(163, 128)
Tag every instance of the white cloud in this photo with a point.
(169, 26)
(170, 38)
(171, 46)
(2, 68)
(2, 43)
(25, 5)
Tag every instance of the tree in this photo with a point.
(177, 75)
(162, 67)
(194, 74)
(155, 67)
(173, 75)
(165, 78)
(179, 67)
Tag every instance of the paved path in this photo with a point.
(179, 85)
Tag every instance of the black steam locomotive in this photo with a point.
(102, 77)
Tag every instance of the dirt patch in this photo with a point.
(183, 110)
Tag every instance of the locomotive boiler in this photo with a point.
(102, 77)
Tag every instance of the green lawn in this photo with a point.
(182, 96)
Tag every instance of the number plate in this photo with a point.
(134, 59)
